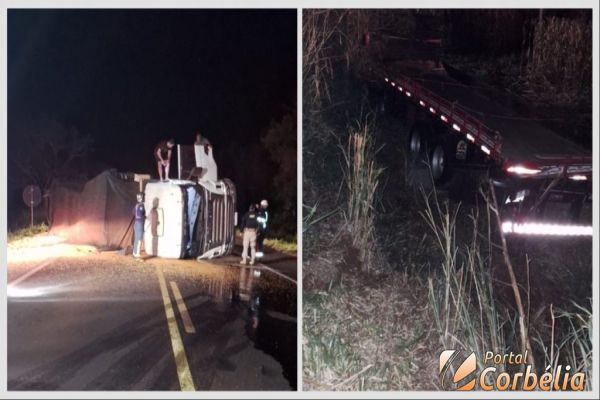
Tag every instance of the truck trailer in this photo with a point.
(464, 130)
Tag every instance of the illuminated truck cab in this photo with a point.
(190, 217)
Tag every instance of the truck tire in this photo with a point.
(418, 139)
(440, 166)
(416, 171)
(416, 145)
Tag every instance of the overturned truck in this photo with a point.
(193, 216)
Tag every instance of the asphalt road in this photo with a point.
(103, 321)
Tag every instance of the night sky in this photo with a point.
(130, 78)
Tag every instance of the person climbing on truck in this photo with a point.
(202, 141)
(263, 219)
(139, 215)
(249, 227)
(162, 154)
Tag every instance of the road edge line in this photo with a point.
(29, 273)
(185, 316)
(183, 369)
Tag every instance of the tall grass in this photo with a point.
(362, 180)
(320, 33)
(335, 37)
(462, 295)
(561, 56)
(469, 316)
(573, 348)
(562, 49)
(523, 317)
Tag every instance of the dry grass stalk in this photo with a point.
(320, 28)
(523, 325)
(462, 299)
(361, 179)
(574, 347)
(360, 337)
(331, 37)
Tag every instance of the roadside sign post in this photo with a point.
(32, 197)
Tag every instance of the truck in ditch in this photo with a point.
(193, 216)
(464, 132)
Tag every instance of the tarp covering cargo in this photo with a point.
(99, 213)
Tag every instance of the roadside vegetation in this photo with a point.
(396, 273)
(19, 234)
(283, 245)
(551, 72)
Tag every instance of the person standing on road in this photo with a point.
(139, 215)
(249, 227)
(263, 219)
(162, 154)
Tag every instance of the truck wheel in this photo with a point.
(415, 145)
(440, 168)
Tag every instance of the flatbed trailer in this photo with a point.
(459, 128)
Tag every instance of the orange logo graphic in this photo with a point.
(496, 376)
(465, 369)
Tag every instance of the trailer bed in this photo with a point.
(519, 137)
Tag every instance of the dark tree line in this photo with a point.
(41, 150)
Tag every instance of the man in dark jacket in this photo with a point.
(249, 226)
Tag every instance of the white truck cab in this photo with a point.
(191, 217)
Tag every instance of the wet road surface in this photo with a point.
(101, 321)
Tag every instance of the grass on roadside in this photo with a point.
(362, 175)
(282, 245)
(573, 348)
(27, 232)
(369, 336)
(461, 293)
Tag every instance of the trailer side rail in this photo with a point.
(489, 141)
(485, 138)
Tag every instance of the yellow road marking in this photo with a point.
(183, 369)
(185, 316)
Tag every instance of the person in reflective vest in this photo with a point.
(263, 219)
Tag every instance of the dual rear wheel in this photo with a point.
(425, 152)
